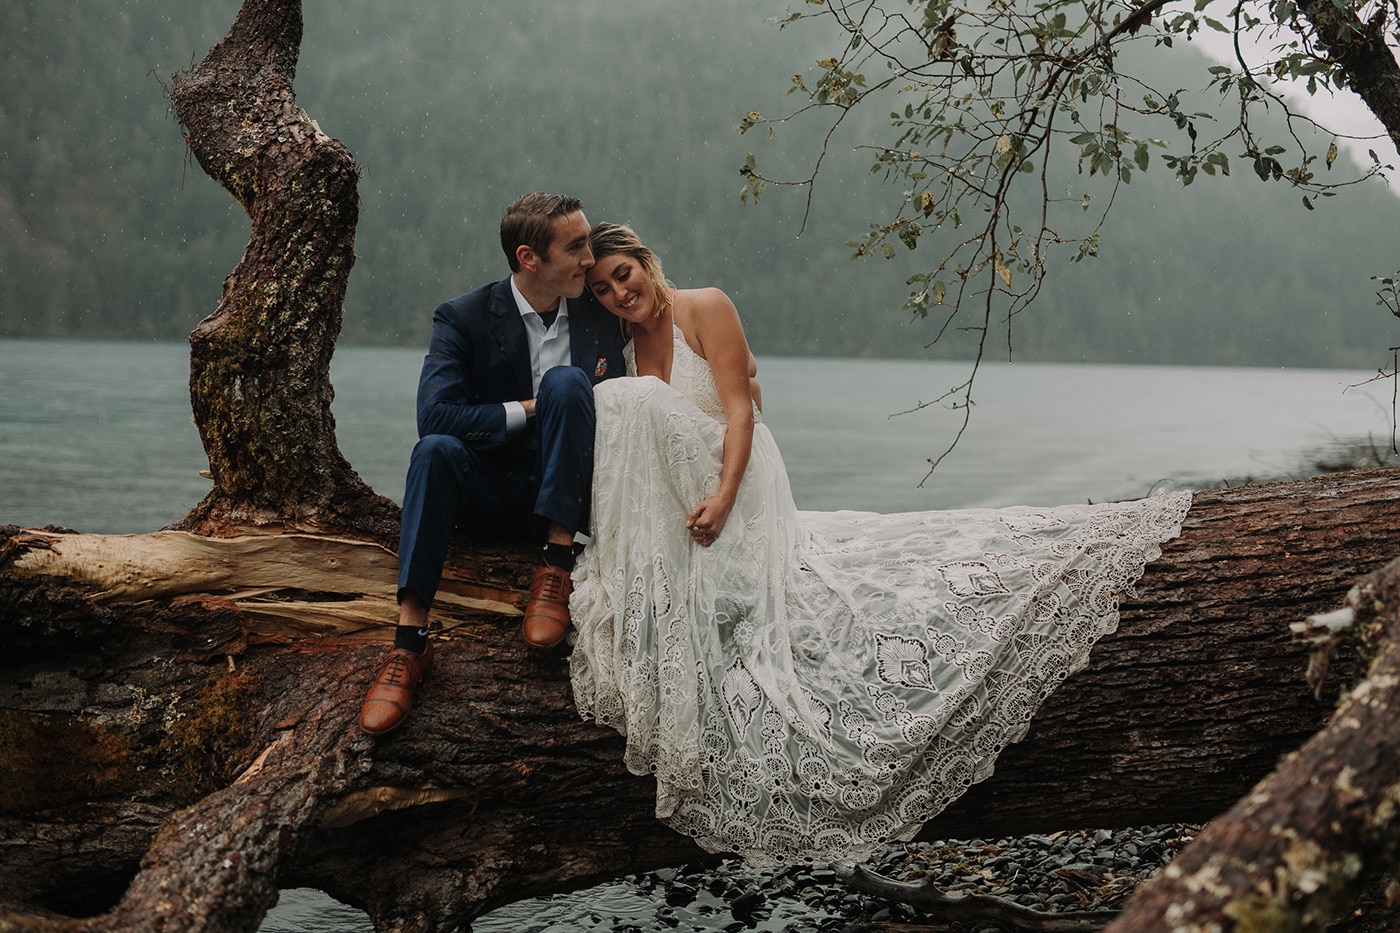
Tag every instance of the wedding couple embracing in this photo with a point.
(801, 684)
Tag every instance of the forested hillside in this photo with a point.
(107, 230)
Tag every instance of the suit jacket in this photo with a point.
(479, 357)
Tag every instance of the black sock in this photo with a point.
(559, 555)
(411, 637)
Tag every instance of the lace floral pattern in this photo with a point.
(815, 684)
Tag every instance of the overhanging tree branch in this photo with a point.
(983, 95)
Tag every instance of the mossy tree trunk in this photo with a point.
(260, 364)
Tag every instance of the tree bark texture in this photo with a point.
(260, 364)
(1295, 851)
(176, 753)
(1366, 60)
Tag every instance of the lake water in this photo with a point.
(97, 437)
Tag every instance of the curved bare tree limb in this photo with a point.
(260, 364)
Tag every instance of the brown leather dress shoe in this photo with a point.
(390, 699)
(547, 613)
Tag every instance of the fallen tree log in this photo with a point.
(175, 754)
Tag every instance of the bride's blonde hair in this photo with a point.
(605, 239)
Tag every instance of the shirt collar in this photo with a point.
(523, 305)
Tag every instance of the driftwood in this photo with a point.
(207, 743)
(926, 897)
(177, 713)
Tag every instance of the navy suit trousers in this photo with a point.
(450, 483)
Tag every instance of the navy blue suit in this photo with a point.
(464, 468)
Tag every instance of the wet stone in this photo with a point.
(1054, 872)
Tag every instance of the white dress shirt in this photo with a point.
(548, 348)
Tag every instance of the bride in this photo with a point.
(805, 684)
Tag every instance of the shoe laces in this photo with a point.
(395, 671)
(550, 585)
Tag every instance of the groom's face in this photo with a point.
(569, 257)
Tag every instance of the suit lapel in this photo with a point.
(509, 331)
(583, 337)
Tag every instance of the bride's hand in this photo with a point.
(707, 519)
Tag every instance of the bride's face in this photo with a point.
(622, 286)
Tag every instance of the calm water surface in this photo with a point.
(97, 437)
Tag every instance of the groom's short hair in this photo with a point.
(530, 222)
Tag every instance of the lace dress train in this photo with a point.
(815, 684)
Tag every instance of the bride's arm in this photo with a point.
(720, 334)
(755, 390)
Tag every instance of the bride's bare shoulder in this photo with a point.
(703, 313)
(704, 300)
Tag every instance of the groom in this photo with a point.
(505, 427)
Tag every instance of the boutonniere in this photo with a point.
(601, 369)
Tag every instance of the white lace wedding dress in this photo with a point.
(815, 684)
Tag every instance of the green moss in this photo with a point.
(206, 746)
(1260, 914)
(51, 761)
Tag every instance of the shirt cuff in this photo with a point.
(515, 417)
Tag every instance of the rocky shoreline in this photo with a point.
(1079, 870)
